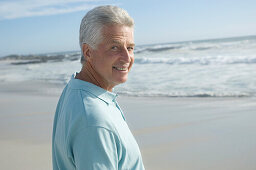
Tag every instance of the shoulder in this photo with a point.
(80, 107)
(96, 111)
(86, 109)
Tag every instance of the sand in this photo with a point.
(173, 133)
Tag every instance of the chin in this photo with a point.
(121, 80)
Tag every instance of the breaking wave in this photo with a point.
(196, 60)
(183, 94)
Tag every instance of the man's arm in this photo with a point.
(94, 148)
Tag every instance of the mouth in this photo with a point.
(120, 68)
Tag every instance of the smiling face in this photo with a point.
(113, 58)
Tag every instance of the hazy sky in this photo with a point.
(39, 26)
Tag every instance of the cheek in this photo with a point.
(104, 66)
(100, 62)
(132, 61)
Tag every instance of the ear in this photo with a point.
(86, 52)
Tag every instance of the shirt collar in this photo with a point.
(99, 92)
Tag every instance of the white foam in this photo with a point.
(198, 60)
(195, 69)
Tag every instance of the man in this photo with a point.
(90, 132)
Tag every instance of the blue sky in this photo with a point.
(41, 26)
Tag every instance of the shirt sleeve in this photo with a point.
(95, 148)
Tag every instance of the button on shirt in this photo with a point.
(90, 132)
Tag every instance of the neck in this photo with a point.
(88, 74)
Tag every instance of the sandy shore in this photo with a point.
(173, 133)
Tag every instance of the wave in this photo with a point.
(226, 46)
(44, 58)
(199, 94)
(157, 48)
(200, 61)
(189, 47)
(201, 45)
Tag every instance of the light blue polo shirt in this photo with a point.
(90, 131)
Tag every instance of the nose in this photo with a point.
(125, 56)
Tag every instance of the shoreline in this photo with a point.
(55, 89)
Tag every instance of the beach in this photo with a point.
(177, 133)
(189, 98)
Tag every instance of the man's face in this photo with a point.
(114, 57)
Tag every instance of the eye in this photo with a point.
(130, 48)
(114, 48)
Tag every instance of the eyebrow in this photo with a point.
(120, 42)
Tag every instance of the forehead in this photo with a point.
(117, 33)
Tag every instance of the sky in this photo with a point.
(43, 26)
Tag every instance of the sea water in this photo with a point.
(207, 68)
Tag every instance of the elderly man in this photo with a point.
(89, 130)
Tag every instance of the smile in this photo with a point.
(120, 68)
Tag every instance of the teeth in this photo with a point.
(121, 69)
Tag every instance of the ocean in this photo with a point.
(204, 68)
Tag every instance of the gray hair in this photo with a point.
(93, 22)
